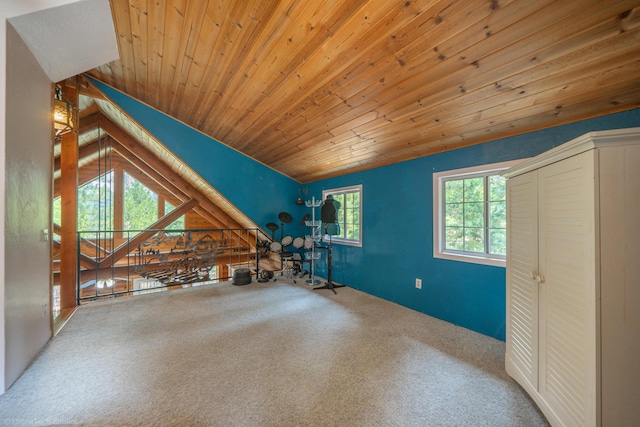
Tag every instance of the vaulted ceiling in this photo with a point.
(317, 89)
(108, 138)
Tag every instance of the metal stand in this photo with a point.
(314, 237)
(329, 284)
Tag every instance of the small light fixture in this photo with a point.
(62, 114)
(299, 201)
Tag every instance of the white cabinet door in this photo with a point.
(567, 309)
(522, 292)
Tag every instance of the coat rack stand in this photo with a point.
(311, 241)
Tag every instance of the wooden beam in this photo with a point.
(85, 261)
(69, 209)
(130, 149)
(118, 198)
(122, 250)
(84, 151)
(85, 125)
(86, 245)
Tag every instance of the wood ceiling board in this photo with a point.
(315, 90)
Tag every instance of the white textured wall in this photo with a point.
(27, 200)
(25, 173)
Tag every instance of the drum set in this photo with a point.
(291, 262)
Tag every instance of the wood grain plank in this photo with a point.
(138, 24)
(205, 54)
(154, 51)
(173, 26)
(228, 43)
(194, 18)
(122, 19)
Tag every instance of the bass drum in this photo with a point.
(275, 247)
(286, 241)
(298, 242)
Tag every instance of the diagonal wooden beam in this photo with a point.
(122, 250)
(85, 261)
(85, 245)
(168, 181)
(171, 192)
(155, 167)
(89, 122)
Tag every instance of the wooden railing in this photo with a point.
(127, 262)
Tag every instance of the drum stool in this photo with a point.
(286, 258)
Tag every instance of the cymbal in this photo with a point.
(305, 218)
(272, 226)
(285, 217)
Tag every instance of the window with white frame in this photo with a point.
(469, 214)
(349, 214)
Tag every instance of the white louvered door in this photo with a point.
(567, 309)
(522, 294)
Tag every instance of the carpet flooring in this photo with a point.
(265, 354)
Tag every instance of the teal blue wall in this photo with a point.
(397, 213)
(257, 190)
(398, 233)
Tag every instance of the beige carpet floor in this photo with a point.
(265, 354)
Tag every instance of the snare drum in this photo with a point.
(298, 242)
(286, 241)
(275, 247)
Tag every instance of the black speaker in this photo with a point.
(241, 276)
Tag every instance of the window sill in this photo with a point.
(483, 260)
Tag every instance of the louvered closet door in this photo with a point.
(567, 293)
(522, 291)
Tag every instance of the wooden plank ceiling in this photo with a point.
(317, 89)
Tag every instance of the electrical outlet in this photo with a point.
(419, 283)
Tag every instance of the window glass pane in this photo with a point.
(178, 224)
(497, 188)
(353, 200)
(498, 242)
(140, 205)
(474, 214)
(497, 214)
(453, 191)
(453, 215)
(474, 189)
(454, 238)
(95, 205)
(57, 211)
(474, 240)
(466, 220)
